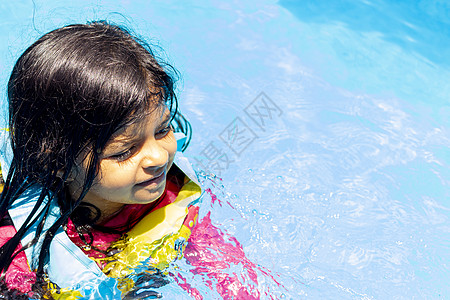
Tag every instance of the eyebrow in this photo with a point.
(118, 144)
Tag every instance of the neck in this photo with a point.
(108, 211)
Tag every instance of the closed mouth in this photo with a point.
(155, 180)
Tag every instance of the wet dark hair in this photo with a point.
(71, 91)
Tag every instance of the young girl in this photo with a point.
(94, 190)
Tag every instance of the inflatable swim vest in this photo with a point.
(153, 243)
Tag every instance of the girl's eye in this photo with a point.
(123, 155)
(163, 132)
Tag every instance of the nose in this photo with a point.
(154, 155)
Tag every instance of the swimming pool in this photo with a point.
(328, 125)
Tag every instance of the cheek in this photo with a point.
(115, 176)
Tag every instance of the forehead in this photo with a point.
(155, 118)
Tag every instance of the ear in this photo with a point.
(60, 175)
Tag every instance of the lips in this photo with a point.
(154, 181)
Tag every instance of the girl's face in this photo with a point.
(133, 166)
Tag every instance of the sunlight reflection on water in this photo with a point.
(345, 195)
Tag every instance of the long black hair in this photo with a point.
(68, 92)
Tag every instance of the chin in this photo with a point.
(154, 197)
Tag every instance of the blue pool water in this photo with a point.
(328, 125)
